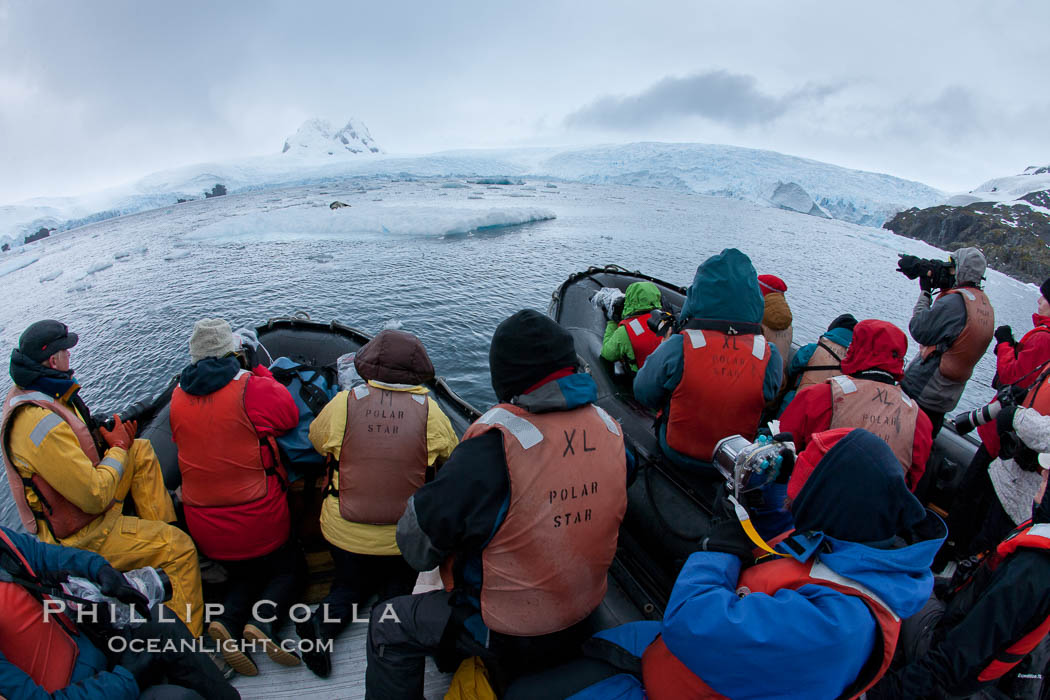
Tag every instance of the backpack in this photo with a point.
(312, 388)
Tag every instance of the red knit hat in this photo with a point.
(771, 283)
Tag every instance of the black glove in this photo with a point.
(1004, 422)
(726, 534)
(112, 583)
(788, 465)
(617, 310)
(1011, 395)
(926, 283)
(141, 664)
(1004, 334)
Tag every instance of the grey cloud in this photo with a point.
(720, 96)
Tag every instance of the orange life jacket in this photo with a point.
(546, 567)
(383, 460)
(666, 678)
(1038, 396)
(882, 409)
(825, 363)
(220, 453)
(958, 361)
(43, 648)
(643, 341)
(62, 517)
(720, 392)
(1031, 537)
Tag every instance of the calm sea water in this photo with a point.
(132, 287)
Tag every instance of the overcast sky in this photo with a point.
(99, 93)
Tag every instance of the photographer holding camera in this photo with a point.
(992, 502)
(69, 484)
(953, 332)
(1019, 362)
(628, 337)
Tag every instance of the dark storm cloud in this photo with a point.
(720, 96)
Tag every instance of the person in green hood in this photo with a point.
(628, 337)
(714, 377)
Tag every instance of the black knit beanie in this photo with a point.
(846, 321)
(525, 348)
(1044, 289)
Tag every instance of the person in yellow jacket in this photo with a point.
(383, 440)
(69, 486)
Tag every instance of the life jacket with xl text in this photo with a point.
(720, 392)
(546, 567)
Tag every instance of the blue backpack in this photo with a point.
(312, 388)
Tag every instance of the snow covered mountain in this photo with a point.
(1008, 218)
(317, 154)
(317, 137)
(1013, 188)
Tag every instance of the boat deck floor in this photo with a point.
(347, 681)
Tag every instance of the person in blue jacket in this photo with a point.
(865, 545)
(713, 378)
(41, 642)
(815, 362)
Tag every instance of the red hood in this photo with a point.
(876, 345)
(1038, 320)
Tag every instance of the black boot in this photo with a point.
(314, 648)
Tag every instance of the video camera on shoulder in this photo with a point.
(749, 466)
(940, 273)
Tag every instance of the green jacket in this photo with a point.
(639, 298)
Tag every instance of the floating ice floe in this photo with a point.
(301, 223)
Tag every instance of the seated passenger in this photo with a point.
(866, 395)
(776, 321)
(69, 486)
(714, 378)
(995, 615)
(525, 516)
(46, 653)
(829, 611)
(223, 421)
(383, 439)
(815, 362)
(628, 337)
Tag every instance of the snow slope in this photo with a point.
(1006, 189)
(740, 173)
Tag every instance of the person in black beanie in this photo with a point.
(524, 516)
(819, 361)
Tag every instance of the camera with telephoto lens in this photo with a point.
(1007, 396)
(939, 272)
(749, 466)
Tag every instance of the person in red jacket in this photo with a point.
(224, 420)
(1019, 362)
(867, 395)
